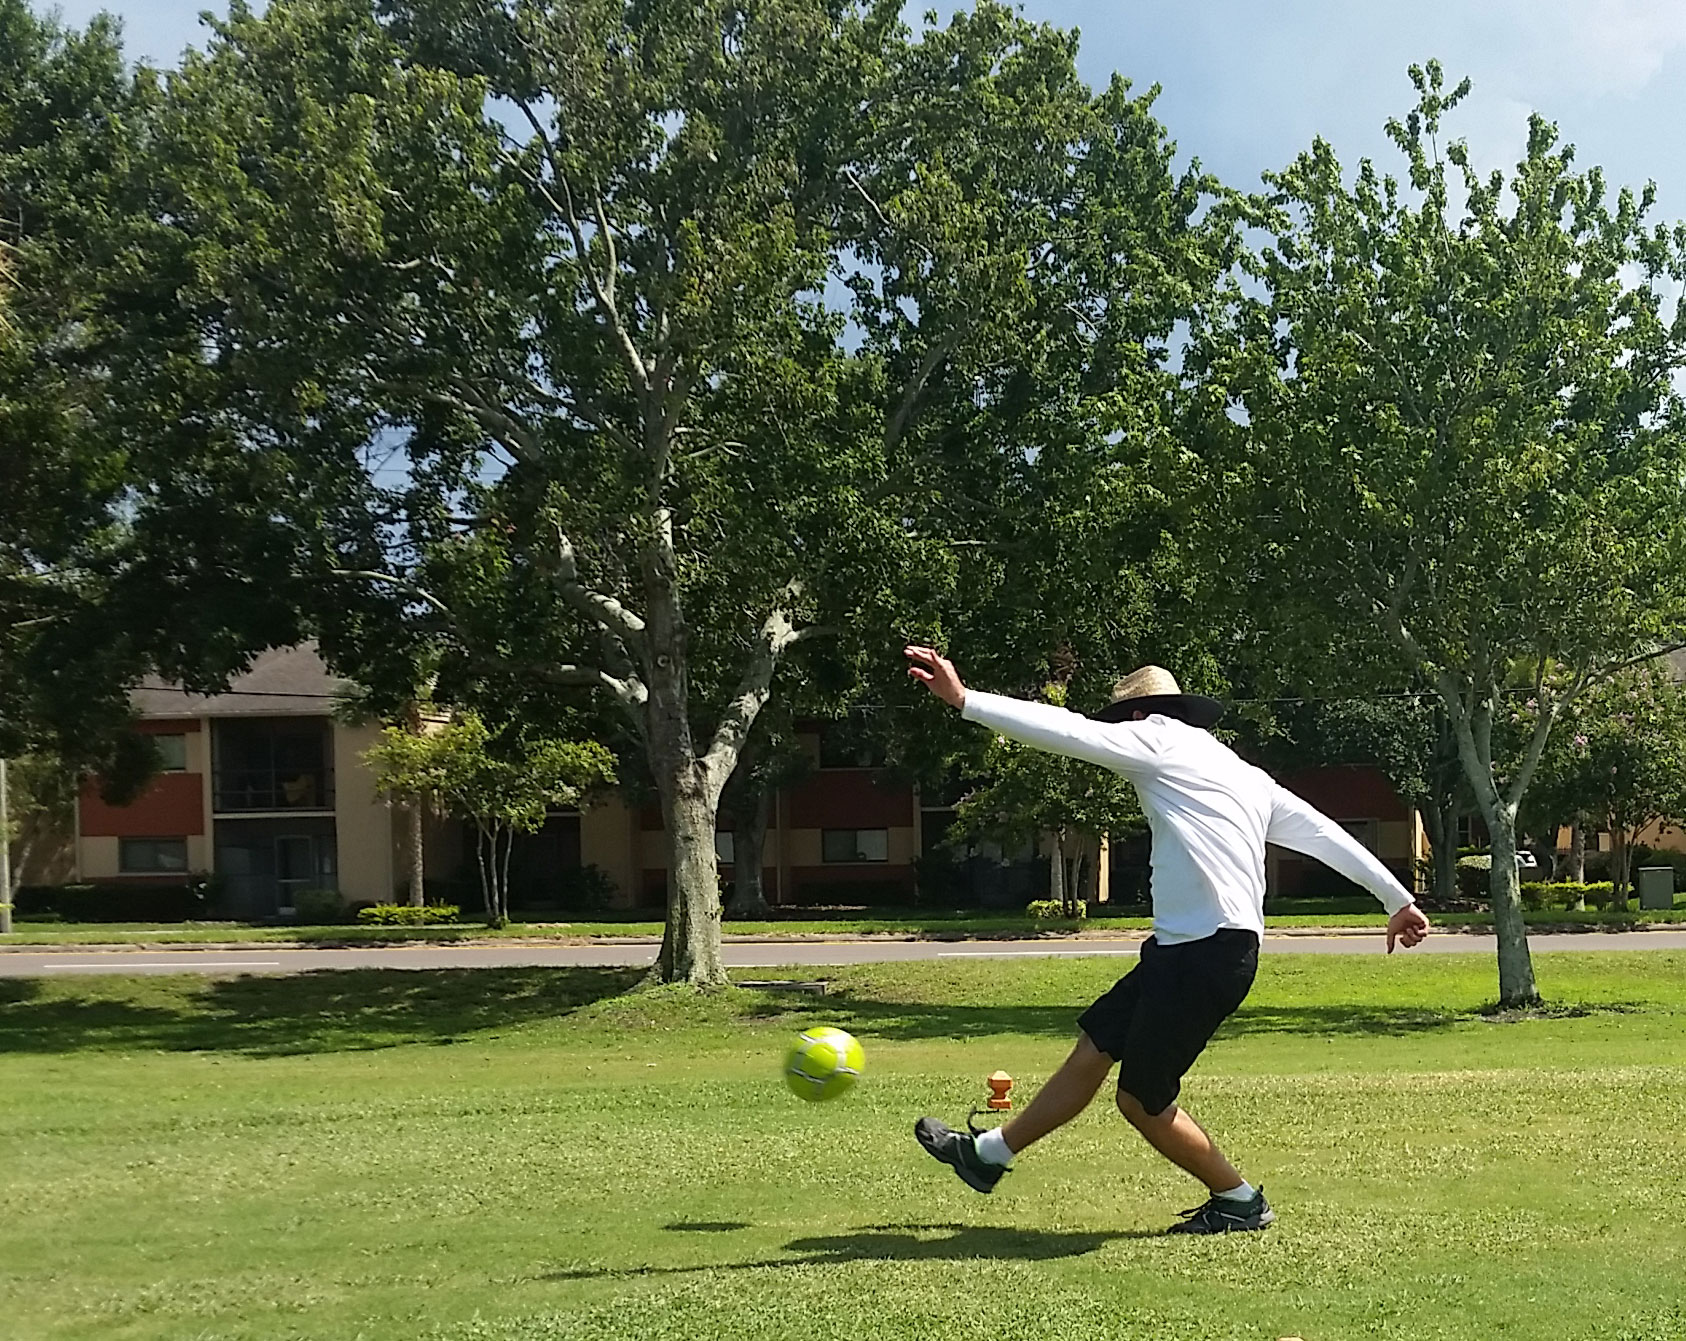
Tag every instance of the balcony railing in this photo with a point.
(237, 790)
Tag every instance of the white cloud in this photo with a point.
(1601, 46)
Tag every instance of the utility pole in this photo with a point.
(5, 856)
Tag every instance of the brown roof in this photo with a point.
(281, 682)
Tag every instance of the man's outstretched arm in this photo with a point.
(1301, 828)
(1111, 745)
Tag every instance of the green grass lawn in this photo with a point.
(1294, 913)
(535, 1155)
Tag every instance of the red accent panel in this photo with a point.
(173, 806)
(1294, 874)
(849, 798)
(842, 874)
(1348, 793)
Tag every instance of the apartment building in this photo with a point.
(266, 789)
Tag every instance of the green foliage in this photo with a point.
(584, 889)
(407, 915)
(320, 908)
(1619, 759)
(571, 253)
(1565, 894)
(135, 538)
(1461, 446)
(1046, 910)
(503, 783)
(126, 901)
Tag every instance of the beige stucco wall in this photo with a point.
(1395, 840)
(97, 859)
(362, 822)
(608, 840)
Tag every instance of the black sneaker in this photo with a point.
(1221, 1215)
(957, 1149)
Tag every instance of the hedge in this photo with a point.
(118, 901)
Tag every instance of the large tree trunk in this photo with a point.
(418, 892)
(691, 940)
(1516, 965)
(749, 842)
(1577, 855)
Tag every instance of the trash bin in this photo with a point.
(1656, 887)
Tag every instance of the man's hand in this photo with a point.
(1408, 926)
(936, 672)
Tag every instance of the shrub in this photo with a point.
(1563, 894)
(1475, 875)
(319, 907)
(125, 901)
(405, 915)
(1050, 910)
(585, 889)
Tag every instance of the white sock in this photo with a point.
(992, 1147)
(1243, 1193)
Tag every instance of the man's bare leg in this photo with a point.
(1067, 1093)
(1182, 1140)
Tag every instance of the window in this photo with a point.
(272, 765)
(152, 856)
(723, 847)
(854, 742)
(1466, 831)
(1364, 830)
(855, 845)
(172, 752)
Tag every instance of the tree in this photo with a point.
(1620, 760)
(570, 261)
(131, 543)
(1451, 436)
(1031, 793)
(502, 784)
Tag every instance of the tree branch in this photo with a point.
(517, 438)
(606, 612)
(776, 635)
(402, 583)
(915, 388)
(604, 297)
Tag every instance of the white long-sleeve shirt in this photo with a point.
(1211, 814)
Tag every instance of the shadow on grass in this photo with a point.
(355, 1009)
(899, 1243)
(925, 1020)
(336, 1010)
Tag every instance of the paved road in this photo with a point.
(26, 964)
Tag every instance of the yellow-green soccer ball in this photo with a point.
(824, 1063)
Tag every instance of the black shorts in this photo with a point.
(1161, 1014)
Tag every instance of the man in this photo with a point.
(1211, 815)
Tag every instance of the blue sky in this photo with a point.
(1248, 83)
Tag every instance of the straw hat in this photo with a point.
(1153, 689)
